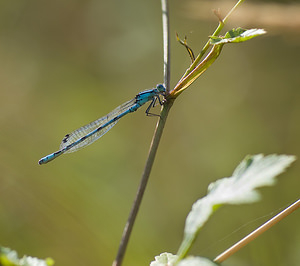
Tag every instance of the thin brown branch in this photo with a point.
(226, 254)
(144, 180)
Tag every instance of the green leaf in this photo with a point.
(164, 259)
(196, 261)
(253, 172)
(9, 257)
(237, 35)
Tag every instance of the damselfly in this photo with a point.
(87, 134)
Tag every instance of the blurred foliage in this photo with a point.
(9, 257)
(240, 188)
(64, 64)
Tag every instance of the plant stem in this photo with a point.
(154, 144)
(197, 71)
(166, 43)
(143, 183)
(226, 254)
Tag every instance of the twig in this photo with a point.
(166, 42)
(257, 232)
(154, 144)
(143, 183)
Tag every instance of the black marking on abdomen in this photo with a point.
(66, 137)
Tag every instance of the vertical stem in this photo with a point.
(166, 42)
(143, 184)
(154, 144)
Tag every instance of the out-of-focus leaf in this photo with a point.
(237, 35)
(196, 261)
(253, 172)
(164, 259)
(9, 257)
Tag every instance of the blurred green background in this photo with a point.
(66, 63)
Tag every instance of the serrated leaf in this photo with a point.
(9, 257)
(253, 172)
(237, 35)
(164, 259)
(196, 261)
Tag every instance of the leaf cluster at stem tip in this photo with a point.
(216, 44)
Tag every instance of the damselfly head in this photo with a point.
(160, 88)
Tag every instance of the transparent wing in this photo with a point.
(77, 134)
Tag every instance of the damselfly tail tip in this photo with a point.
(45, 159)
(41, 161)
